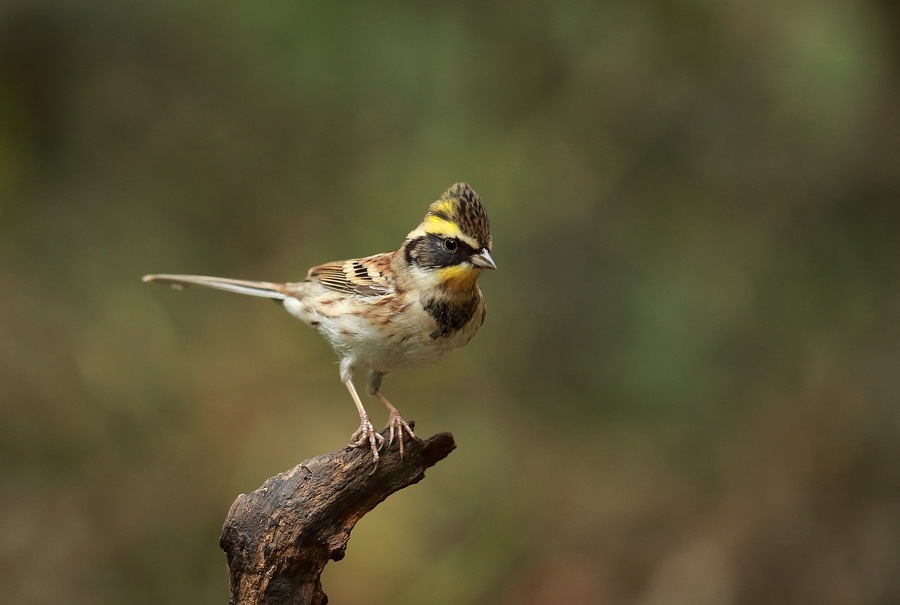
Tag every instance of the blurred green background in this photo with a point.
(686, 390)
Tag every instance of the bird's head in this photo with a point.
(453, 241)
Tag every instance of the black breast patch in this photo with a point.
(451, 315)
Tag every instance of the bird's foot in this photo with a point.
(397, 425)
(366, 433)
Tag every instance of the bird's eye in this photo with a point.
(451, 244)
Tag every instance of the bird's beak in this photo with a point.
(483, 259)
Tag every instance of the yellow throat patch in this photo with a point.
(458, 279)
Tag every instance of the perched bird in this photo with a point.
(391, 311)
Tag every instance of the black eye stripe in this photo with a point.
(410, 249)
(463, 250)
(429, 251)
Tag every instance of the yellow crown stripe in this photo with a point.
(444, 207)
(436, 225)
(441, 226)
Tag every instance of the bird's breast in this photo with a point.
(451, 315)
(392, 332)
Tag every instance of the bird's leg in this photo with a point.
(396, 423)
(366, 432)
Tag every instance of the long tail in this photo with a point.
(262, 289)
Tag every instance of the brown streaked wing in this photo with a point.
(370, 276)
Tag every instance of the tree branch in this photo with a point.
(278, 538)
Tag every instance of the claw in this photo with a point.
(396, 424)
(366, 434)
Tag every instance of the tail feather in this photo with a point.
(262, 289)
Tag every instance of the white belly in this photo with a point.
(383, 343)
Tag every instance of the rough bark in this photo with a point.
(278, 538)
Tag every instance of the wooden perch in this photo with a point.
(279, 537)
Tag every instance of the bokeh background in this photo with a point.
(686, 390)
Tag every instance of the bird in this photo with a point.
(404, 309)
